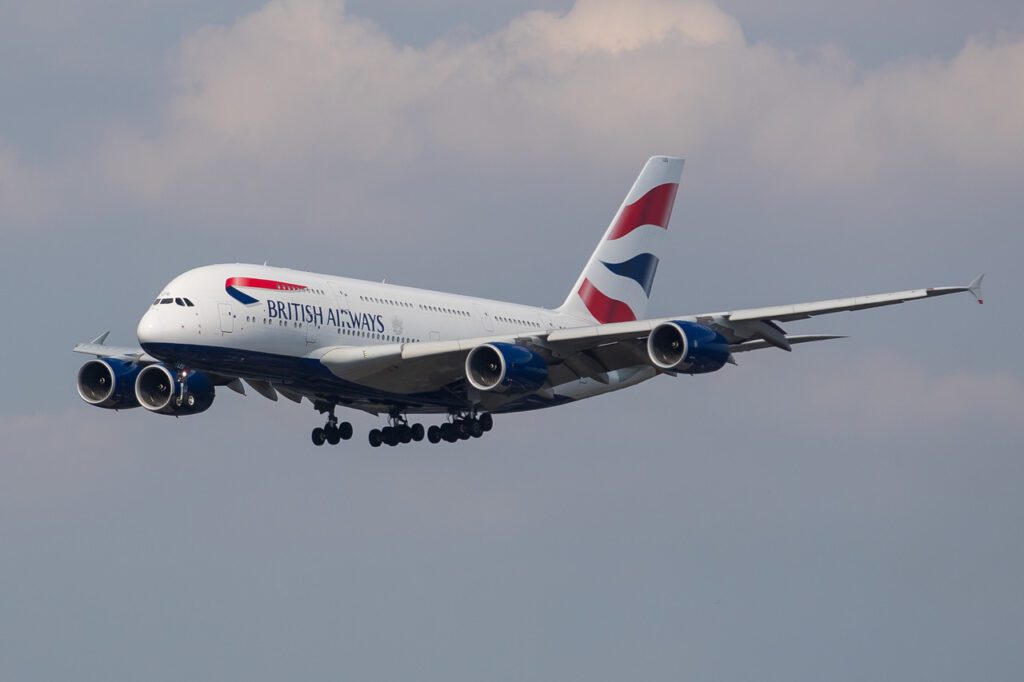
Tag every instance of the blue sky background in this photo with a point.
(849, 511)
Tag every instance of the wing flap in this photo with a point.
(792, 340)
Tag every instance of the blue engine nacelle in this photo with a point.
(687, 347)
(109, 383)
(505, 368)
(160, 390)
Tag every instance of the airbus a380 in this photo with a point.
(397, 351)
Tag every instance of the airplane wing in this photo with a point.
(593, 351)
(100, 349)
(762, 323)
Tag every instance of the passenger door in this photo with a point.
(227, 318)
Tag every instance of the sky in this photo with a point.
(849, 511)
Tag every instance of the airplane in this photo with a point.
(396, 351)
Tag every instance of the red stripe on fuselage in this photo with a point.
(603, 308)
(653, 208)
(261, 284)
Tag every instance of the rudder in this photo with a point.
(615, 285)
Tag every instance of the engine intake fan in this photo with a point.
(687, 347)
(160, 390)
(108, 383)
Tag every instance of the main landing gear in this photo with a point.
(332, 432)
(461, 427)
(397, 431)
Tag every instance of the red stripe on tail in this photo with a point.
(653, 208)
(603, 308)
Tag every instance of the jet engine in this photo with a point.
(687, 347)
(109, 383)
(160, 390)
(505, 368)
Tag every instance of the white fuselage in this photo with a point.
(293, 314)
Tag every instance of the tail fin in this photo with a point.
(616, 283)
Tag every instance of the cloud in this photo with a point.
(303, 105)
(23, 195)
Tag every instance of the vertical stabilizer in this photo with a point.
(615, 286)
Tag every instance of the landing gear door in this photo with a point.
(227, 318)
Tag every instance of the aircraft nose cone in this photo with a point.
(148, 330)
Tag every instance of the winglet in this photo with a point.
(101, 339)
(975, 288)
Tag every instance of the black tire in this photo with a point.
(461, 429)
(486, 422)
(447, 431)
(318, 436)
(417, 432)
(475, 428)
(390, 436)
(333, 435)
(404, 433)
(345, 429)
(434, 434)
(375, 438)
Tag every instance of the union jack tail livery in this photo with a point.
(615, 286)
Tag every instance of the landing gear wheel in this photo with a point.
(486, 422)
(390, 436)
(318, 436)
(345, 430)
(375, 438)
(434, 434)
(417, 432)
(404, 433)
(191, 400)
(475, 428)
(332, 433)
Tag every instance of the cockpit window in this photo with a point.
(189, 303)
(179, 302)
(156, 302)
(165, 301)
